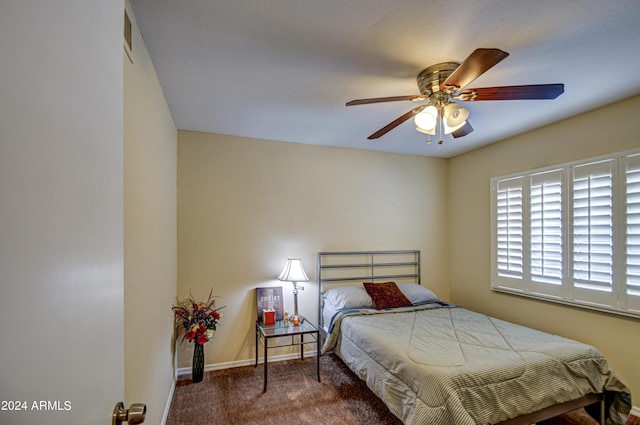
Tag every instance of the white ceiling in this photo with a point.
(284, 69)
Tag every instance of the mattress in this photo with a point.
(442, 364)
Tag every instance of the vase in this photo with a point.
(197, 367)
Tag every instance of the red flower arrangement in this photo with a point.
(198, 320)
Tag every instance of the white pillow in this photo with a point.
(417, 294)
(343, 297)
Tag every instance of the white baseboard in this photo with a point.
(247, 362)
(167, 406)
(635, 411)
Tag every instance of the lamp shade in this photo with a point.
(427, 119)
(455, 115)
(431, 132)
(449, 130)
(293, 271)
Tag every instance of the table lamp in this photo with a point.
(293, 272)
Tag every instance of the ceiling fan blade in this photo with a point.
(535, 91)
(478, 62)
(393, 124)
(414, 97)
(466, 129)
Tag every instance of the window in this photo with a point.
(509, 223)
(546, 227)
(631, 166)
(570, 234)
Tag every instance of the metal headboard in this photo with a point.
(355, 267)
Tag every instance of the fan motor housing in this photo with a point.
(430, 78)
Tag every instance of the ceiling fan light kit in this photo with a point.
(455, 115)
(440, 84)
(427, 119)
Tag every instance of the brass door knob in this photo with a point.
(135, 414)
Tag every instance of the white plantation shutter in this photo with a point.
(632, 226)
(509, 221)
(593, 226)
(546, 227)
(570, 233)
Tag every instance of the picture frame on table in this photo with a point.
(270, 298)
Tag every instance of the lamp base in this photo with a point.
(299, 321)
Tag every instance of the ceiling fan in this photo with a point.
(439, 84)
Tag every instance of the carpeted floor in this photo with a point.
(580, 417)
(633, 420)
(294, 396)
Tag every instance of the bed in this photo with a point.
(432, 362)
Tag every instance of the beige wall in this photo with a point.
(610, 129)
(150, 234)
(244, 205)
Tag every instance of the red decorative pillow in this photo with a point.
(386, 295)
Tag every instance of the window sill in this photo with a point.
(595, 307)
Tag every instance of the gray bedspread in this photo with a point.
(441, 364)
